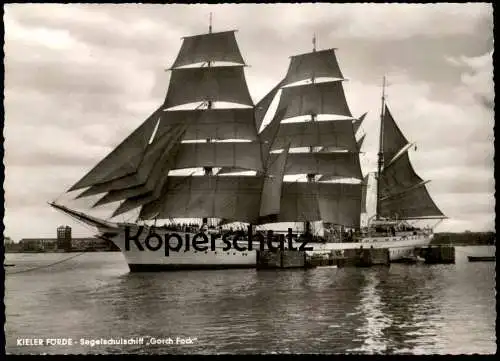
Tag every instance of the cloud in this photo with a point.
(95, 26)
(35, 187)
(405, 21)
(460, 206)
(36, 218)
(473, 223)
(477, 77)
(454, 180)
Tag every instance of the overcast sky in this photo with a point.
(79, 78)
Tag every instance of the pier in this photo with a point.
(355, 257)
(360, 257)
(281, 259)
(367, 257)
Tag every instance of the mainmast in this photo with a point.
(380, 152)
(313, 77)
(311, 176)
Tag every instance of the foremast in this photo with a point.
(401, 193)
(208, 171)
(205, 123)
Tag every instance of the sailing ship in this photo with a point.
(201, 155)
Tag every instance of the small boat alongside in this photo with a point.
(481, 258)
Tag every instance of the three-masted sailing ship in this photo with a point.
(185, 162)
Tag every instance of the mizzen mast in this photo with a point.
(401, 192)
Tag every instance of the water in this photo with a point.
(413, 309)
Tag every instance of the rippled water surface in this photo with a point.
(417, 309)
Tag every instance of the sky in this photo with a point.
(80, 78)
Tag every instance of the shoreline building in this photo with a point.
(10, 246)
(38, 245)
(65, 243)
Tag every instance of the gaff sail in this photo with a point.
(401, 193)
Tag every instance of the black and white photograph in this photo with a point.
(276, 178)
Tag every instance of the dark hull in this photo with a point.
(481, 258)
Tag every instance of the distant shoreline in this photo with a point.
(462, 239)
(465, 239)
(107, 251)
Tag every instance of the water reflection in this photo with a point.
(408, 302)
(396, 309)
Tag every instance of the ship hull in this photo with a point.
(147, 260)
(400, 247)
(160, 254)
(142, 255)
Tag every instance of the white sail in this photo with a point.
(317, 98)
(220, 83)
(203, 48)
(219, 123)
(318, 64)
(273, 185)
(337, 134)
